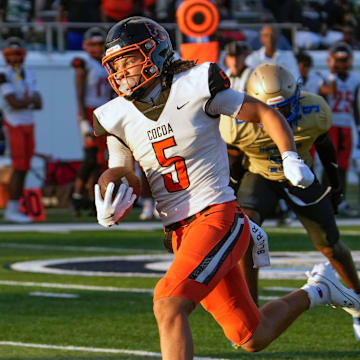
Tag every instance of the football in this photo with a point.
(120, 175)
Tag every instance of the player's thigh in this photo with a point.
(345, 148)
(232, 306)
(314, 209)
(21, 140)
(342, 140)
(257, 193)
(205, 251)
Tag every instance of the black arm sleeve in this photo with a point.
(327, 155)
(218, 80)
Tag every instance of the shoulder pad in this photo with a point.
(2, 78)
(98, 129)
(78, 63)
(218, 80)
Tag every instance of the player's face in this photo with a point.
(95, 49)
(128, 68)
(304, 69)
(235, 63)
(284, 110)
(14, 58)
(340, 64)
(268, 37)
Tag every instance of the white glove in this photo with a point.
(108, 211)
(295, 170)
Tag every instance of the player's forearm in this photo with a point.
(279, 130)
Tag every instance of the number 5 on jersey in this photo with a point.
(179, 162)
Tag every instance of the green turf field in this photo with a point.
(104, 322)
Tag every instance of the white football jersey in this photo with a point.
(182, 153)
(239, 82)
(97, 87)
(342, 102)
(313, 82)
(19, 86)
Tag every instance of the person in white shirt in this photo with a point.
(236, 68)
(92, 90)
(310, 80)
(166, 117)
(341, 87)
(20, 98)
(270, 53)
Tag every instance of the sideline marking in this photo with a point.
(75, 287)
(139, 226)
(79, 248)
(55, 295)
(96, 350)
(114, 289)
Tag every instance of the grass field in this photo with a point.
(101, 318)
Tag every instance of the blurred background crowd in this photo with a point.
(318, 23)
(289, 32)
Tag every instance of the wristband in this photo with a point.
(287, 154)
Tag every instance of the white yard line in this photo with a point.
(94, 350)
(54, 295)
(139, 226)
(73, 286)
(77, 248)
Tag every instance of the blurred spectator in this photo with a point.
(116, 10)
(78, 11)
(270, 53)
(340, 87)
(311, 80)
(17, 12)
(20, 98)
(165, 10)
(235, 55)
(285, 11)
(92, 91)
(348, 32)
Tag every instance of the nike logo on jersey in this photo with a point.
(237, 121)
(180, 107)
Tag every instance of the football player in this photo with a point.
(20, 98)
(167, 117)
(265, 183)
(92, 90)
(341, 89)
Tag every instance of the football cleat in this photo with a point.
(356, 321)
(337, 294)
(16, 217)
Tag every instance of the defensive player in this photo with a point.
(264, 183)
(20, 98)
(92, 90)
(341, 88)
(167, 118)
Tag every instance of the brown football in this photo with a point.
(119, 175)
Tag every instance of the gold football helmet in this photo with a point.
(276, 86)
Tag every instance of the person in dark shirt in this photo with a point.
(86, 11)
